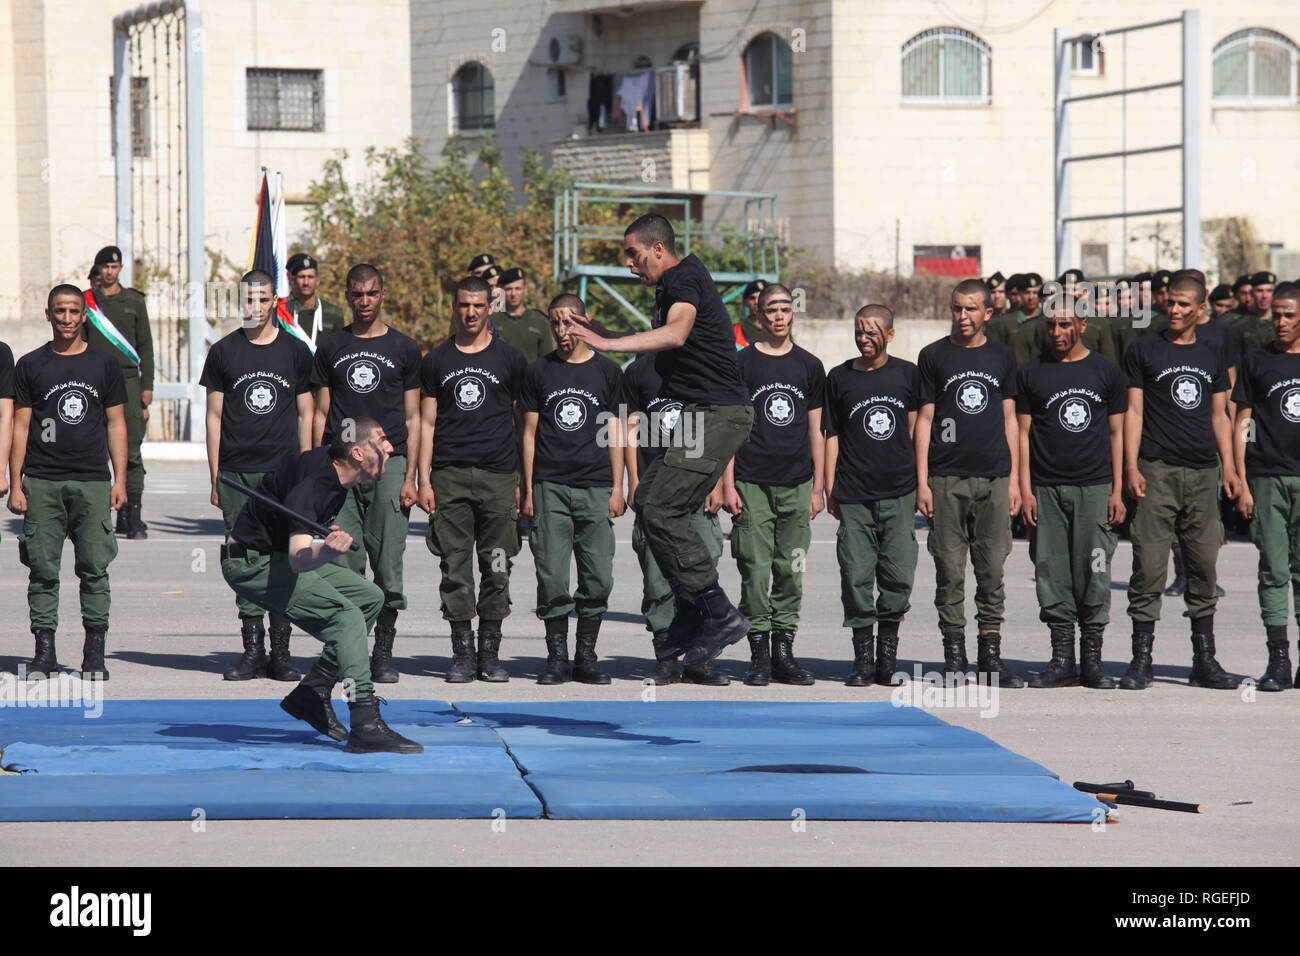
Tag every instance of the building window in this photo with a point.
(1094, 258)
(954, 261)
(1089, 57)
(473, 98)
(1255, 67)
(946, 65)
(285, 100)
(141, 141)
(769, 73)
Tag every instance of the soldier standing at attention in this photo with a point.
(967, 452)
(470, 425)
(121, 328)
(871, 408)
(997, 284)
(1070, 403)
(1267, 445)
(370, 370)
(573, 488)
(526, 329)
(1222, 302)
(651, 419)
(480, 264)
(748, 329)
(259, 408)
(68, 423)
(1026, 340)
(775, 487)
(1175, 425)
(316, 317)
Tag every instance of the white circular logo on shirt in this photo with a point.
(779, 408)
(972, 396)
(470, 393)
(668, 416)
(1291, 405)
(260, 396)
(1186, 391)
(571, 414)
(73, 406)
(1075, 414)
(879, 422)
(363, 376)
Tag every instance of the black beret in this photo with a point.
(108, 255)
(1241, 281)
(995, 280)
(1031, 281)
(492, 272)
(1221, 291)
(479, 262)
(94, 271)
(1141, 277)
(1070, 275)
(1015, 282)
(511, 275)
(1123, 284)
(754, 288)
(299, 261)
(1161, 279)
(1263, 278)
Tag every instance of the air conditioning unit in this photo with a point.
(564, 49)
(675, 94)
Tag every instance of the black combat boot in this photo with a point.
(1206, 671)
(280, 667)
(990, 659)
(463, 662)
(557, 669)
(684, 629)
(785, 669)
(721, 625)
(1091, 672)
(760, 660)
(123, 523)
(1278, 674)
(704, 674)
(1139, 675)
(310, 701)
(382, 670)
(92, 655)
(370, 735)
(887, 654)
(253, 662)
(1060, 670)
(136, 529)
(667, 671)
(954, 653)
(864, 662)
(489, 645)
(585, 670)
(43, 664)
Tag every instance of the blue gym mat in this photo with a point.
(247, 759)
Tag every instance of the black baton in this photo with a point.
(315, 527)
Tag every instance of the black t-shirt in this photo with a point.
(1070, 404)
(261, 385)
(68, 396)
(476, 392)
(967, 386)
(1177, 382)
(6, 373)
(1213, 333)
(306, 482)
(868, 411)
(783, 389)
(703, 371)
(573, 403)
(368, 378)
(643, 392)
(1269, 385)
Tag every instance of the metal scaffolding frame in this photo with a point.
(1189, 145)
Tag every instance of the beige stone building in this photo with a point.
(890, 130)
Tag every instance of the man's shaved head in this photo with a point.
(1287, 290)
(257, 277)
(362, 273)
(880, 312)
(1185, 282)
(567, 300)
(974, 287)
(64, 289)
(770, 292)
(474, 286)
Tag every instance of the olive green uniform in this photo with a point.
(231, 501)
(374, 516)
(56, 511)
(530, 333)
(475, 513)
(770, 540)
(656, 593)
(331, 316)
(573, 522)
(129, 313)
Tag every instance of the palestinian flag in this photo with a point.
(95, 315)
(289, 322)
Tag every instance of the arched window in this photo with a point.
(946, 65)
(769, 73)
(473, 98)
(1255, 67)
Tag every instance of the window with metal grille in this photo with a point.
(1089, 57)
(285, 100)
(769, 73)
(1255, 67)
(473, 98)
(141, 141)
(946, 65)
